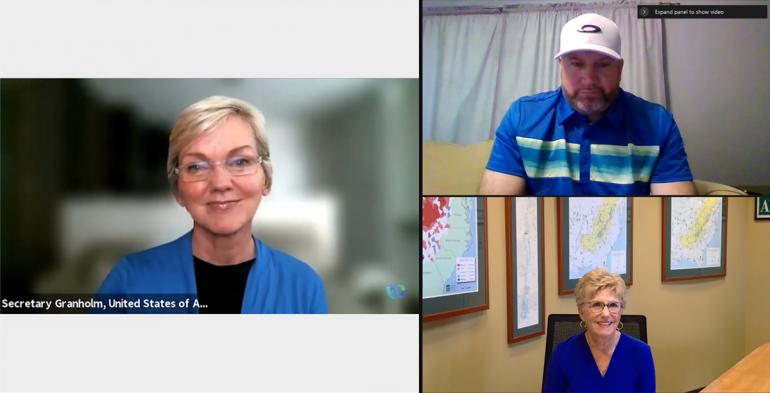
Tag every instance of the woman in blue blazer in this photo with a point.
(601, 359)
(219, 169)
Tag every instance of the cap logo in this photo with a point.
(590, 29)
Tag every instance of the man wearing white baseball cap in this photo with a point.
(588, 137)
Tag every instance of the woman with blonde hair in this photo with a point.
(219, 169)
(602, 358)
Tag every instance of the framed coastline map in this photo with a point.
(525, 268)
(694, 238)
(454, 257)
(593, 232)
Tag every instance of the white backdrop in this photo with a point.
(476, 63)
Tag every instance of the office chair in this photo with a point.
(564, 326)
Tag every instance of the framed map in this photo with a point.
(762, 208)
(593, 232)
(525, 269)
(694, 238)
(454, 257)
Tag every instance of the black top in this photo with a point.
(220, 288)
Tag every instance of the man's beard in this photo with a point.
(596, 105)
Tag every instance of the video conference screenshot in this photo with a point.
(588, 183)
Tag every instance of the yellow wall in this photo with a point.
(697, 329)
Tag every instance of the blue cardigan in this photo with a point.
(572, 368)
(278, 283)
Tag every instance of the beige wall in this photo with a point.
(697, 329)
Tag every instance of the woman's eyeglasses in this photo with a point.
(202, 170)
(598, 307)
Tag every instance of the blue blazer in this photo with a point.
(278, 283)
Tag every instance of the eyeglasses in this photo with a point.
(202, 170)
(598, 307)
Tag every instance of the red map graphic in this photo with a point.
(434, 214)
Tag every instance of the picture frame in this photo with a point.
(437, 304)
(700, 223)
(525, 268)
(762, 208)
(583, 224)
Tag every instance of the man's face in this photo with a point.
(591, 81)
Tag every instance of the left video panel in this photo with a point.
(209, 196)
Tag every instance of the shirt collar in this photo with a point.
(614, 115)
(564, 110)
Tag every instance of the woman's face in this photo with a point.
(604, 322)
(223, 204)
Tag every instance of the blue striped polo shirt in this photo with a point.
(543, 140)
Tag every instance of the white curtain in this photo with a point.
(475, 65)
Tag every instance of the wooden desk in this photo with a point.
(751, 374)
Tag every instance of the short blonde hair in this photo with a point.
(596, 280)
(201, 117)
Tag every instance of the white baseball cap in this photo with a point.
(590, 32)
